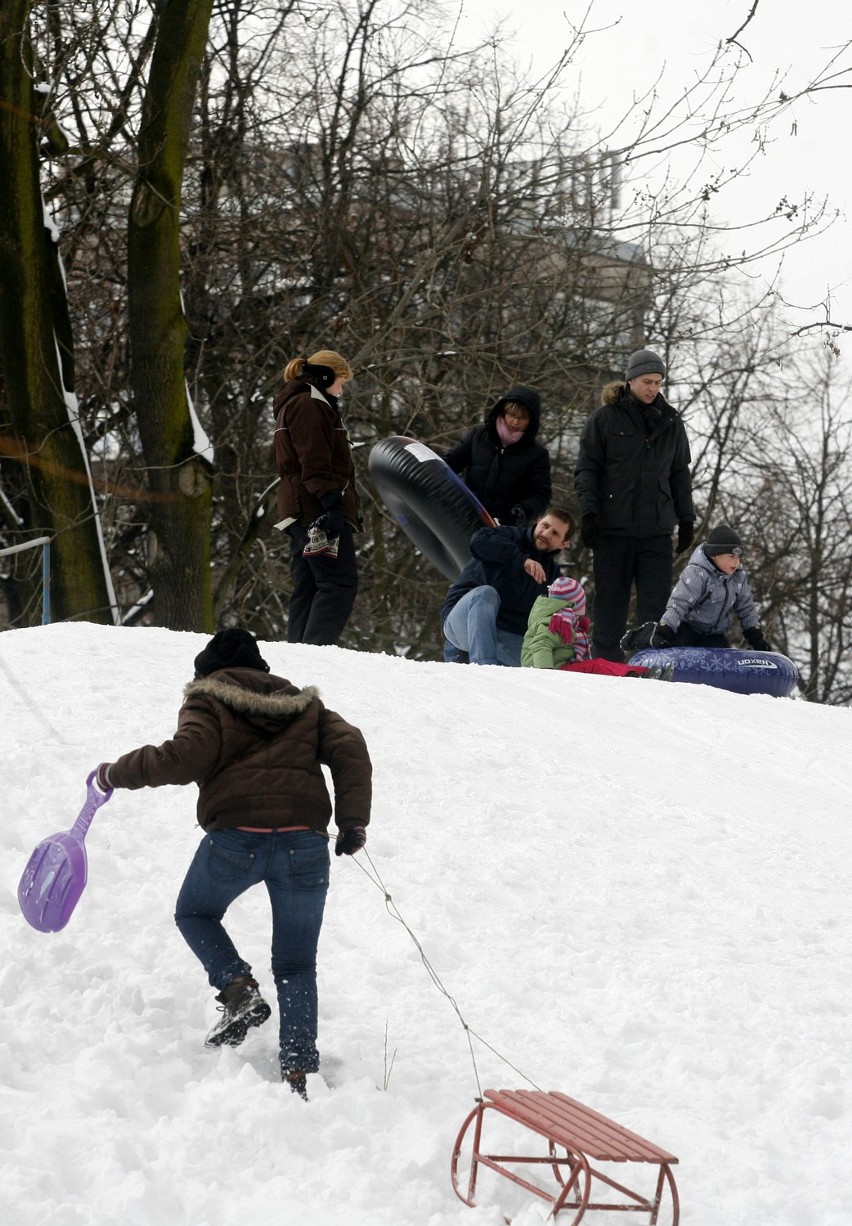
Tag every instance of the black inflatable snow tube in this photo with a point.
(430, 502)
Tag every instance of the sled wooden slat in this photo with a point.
(586, 1136)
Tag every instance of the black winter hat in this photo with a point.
(645, 362)
(321, 376)
(722, 539)
(231, 648)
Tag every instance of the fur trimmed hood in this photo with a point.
(249, 702)
(611, 393)
(264, 699)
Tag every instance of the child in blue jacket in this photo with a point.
(712, 589)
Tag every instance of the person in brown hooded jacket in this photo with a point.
(256, 744)
(317, 503)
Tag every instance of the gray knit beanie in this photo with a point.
(645, 362)
(722, 539)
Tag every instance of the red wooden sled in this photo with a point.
(586, 1136)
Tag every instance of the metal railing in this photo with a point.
(44, 541)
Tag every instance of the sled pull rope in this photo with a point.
(395, 913)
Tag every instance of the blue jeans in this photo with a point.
(452, 655)
(471, 626)
(294, 866)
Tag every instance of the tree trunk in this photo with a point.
(36, 348)
(178, 470)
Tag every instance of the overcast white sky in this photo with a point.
(809, 149)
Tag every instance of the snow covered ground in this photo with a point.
(636, 893)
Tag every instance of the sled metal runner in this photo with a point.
(586, 1136)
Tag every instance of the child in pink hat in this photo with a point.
(558, 636)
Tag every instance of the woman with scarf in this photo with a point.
(501, 462)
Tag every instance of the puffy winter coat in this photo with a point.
(498, 560)
(707, 599)
(506, 477)
(556, 634)
(256, 745)
(633, 466)
(312, 454)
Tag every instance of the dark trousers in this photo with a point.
(621, 562)
(686, 636)
(324, 590)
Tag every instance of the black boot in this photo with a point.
(656, 672)
(297, 1081)
(242, 1007)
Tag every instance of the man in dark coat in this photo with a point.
(634, 488)
(256, 746)
(502, 463)
(486, 610)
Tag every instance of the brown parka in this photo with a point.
(312, 454)
(255, 744)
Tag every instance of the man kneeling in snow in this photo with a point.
(486, 610)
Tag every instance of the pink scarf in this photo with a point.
(506, 434)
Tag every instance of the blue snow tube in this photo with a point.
(430, 502)
(728, 668)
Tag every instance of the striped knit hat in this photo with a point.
(566, 588)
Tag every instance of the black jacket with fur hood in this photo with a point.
(506, 477)
(256, 745)
(633, 466)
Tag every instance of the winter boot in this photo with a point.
(242, 1007)
(659, 672)
(297, 1081)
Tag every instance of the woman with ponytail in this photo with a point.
(317, 503)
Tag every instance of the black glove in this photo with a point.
(102, 777)
(755, 638)
(663, 635)
(332, 520)
(685, 535)
(350, 840)
(590, 529)
(519, 516)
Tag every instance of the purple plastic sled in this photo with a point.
(56, 872)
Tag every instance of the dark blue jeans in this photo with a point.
(294, 866)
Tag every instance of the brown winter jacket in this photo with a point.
(255, 745)
(312, 454)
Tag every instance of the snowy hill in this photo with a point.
(636, 893)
